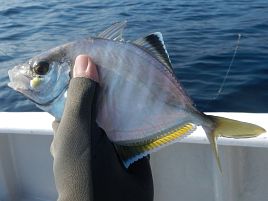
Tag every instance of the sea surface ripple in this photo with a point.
(200, 36)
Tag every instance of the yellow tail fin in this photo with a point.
(229, 128)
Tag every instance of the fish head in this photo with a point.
(44, 78)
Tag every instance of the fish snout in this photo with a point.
(19, 79)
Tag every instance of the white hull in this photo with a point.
(185, 171)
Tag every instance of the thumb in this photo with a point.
(82, 87)
(78, 106)
(86, 72)
(84, 67)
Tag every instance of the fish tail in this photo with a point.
(133, 152)
(230, 128)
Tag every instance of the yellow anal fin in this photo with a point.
(133, 152)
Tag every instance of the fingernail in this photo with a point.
(84, 67)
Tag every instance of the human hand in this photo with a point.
(71, 146)
(86, 165)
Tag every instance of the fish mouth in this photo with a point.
(21, 83)
(18, 81)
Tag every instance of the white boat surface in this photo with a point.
(184, 171)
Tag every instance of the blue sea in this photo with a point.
(200, 36)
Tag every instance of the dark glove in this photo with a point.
(71, 146)
(86, 165)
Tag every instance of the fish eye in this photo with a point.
(41, 68)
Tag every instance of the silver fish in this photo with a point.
(141, 105)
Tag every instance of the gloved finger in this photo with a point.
(77, 110)
(84, 67)
(79, 100)
(55, 125)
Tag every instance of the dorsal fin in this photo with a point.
(154, 43)
(114, 32)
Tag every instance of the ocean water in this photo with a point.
(200, 35)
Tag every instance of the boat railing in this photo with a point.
(184, 171)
